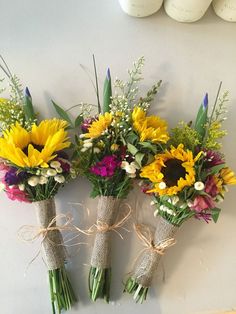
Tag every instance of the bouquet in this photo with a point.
(187, 180)
(111, 149)
(34, 167)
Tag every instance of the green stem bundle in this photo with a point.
(62, 294)
(99, 283)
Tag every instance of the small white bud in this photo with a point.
(175, 200)
(84, 149)
(96, 150)
(2, 186)
(55, 164)
(21, 187)
(59, 178)
(88, 145)
(51, 172)
(59, 170)
(33, 181)
(162, 185)
(199, 186)
(43, 180)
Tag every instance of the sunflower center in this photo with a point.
(38, 147)
(173, 171)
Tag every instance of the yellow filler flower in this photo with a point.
(171, 171)
(150, 128)
(36, 147)
(99, 126)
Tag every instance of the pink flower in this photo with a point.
(14, 193)
(210, 186)
(202, 202)
(106, 167)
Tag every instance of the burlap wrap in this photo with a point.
(149, 259)
(107, 211)
(53, 252)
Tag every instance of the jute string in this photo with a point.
(149, 257)
(30, 233)
(52, 245)
(107, 220)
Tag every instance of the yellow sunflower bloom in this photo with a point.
(3, 100)
(99, 126)
(227, 176)
(171, 171)
(150, 128)
(36, 147)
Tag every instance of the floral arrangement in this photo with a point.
(112, 148)
(34, 166)
(186, 180)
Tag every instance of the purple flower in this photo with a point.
(86, 124)
(106, 167)
(205, 216)
(27, 93)
(13, 178)
(212, 159)
(108, 74)
(65, 165)
(205, 101)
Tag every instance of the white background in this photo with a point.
(45, 42)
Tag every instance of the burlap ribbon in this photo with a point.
(155, 247)
(107, 213)
(54, 252)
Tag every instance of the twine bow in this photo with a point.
(30, 233)
(145, 235)
(104, 227)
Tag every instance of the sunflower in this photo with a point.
(150, 128)
(3, 100)
(228, 176)
(171, 171)
(36, 147)
(99, 126)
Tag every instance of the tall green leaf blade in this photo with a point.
(28, 106)
(107, 92)
(201, 120)
(62, 113)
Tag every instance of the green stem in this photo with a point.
(96, 81)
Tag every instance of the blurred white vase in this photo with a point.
(186, 10)
(226, 9)
(140, 8)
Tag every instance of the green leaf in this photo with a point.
(138, 158)
(149, 146)
(132, 149)
(62, 113)
(216, 169)
(201, 120)
(28, 108)
(78, 120)
(107, 92)
(132, 137)
(215, 212)
(150, 159)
